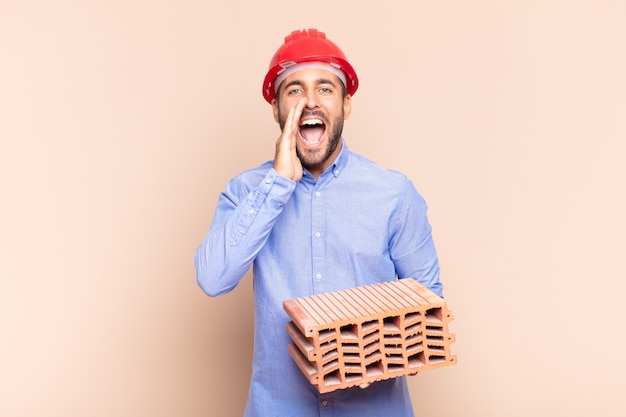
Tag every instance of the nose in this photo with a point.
(311, 99)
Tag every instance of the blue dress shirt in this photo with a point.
(358, 224)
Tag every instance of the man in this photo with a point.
(317, 218)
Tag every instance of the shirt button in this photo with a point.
(318, 276)
(325, 403)
(318, 234)
(251, 212)
(268, 180)
(317, 194)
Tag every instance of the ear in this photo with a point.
(275, 109)
(347, 106)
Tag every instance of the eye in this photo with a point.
(293, 91)
(326, 90)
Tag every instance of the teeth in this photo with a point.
(311, 122)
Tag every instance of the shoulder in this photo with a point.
(363, 168)
(382, 183)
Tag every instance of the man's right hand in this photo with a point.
(286, 161)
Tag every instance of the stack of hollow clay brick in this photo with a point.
(370, 333)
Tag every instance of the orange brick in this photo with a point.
(370, 333)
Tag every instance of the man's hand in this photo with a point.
(286, 162)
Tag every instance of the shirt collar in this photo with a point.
(342, 159)
(336, 168)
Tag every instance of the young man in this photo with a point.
(317, 218)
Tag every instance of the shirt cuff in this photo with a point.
(277, 187)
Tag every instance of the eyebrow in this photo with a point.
(317, 82)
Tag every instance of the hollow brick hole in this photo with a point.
(418, 360)
(332, 378)
(392, 324)
(436, 359)
(330, 355)
(349, 332)
(392, 339)
(353, 370)
(328, 345)
(371, 349)
(348, 348)
(371, 338)
(436, 355)
(413, 328)
(434, 338)
(374, 369)
(326, 334)
(412, 317)
(434, 314)
(395, 367)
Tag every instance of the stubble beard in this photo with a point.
(311, 158)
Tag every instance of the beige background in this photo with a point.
(121, 121)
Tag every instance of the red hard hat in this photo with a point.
(307, 46)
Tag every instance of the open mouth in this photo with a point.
(312, 130)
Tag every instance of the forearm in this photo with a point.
(423, 266)
(414, 252)
(243, 221)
